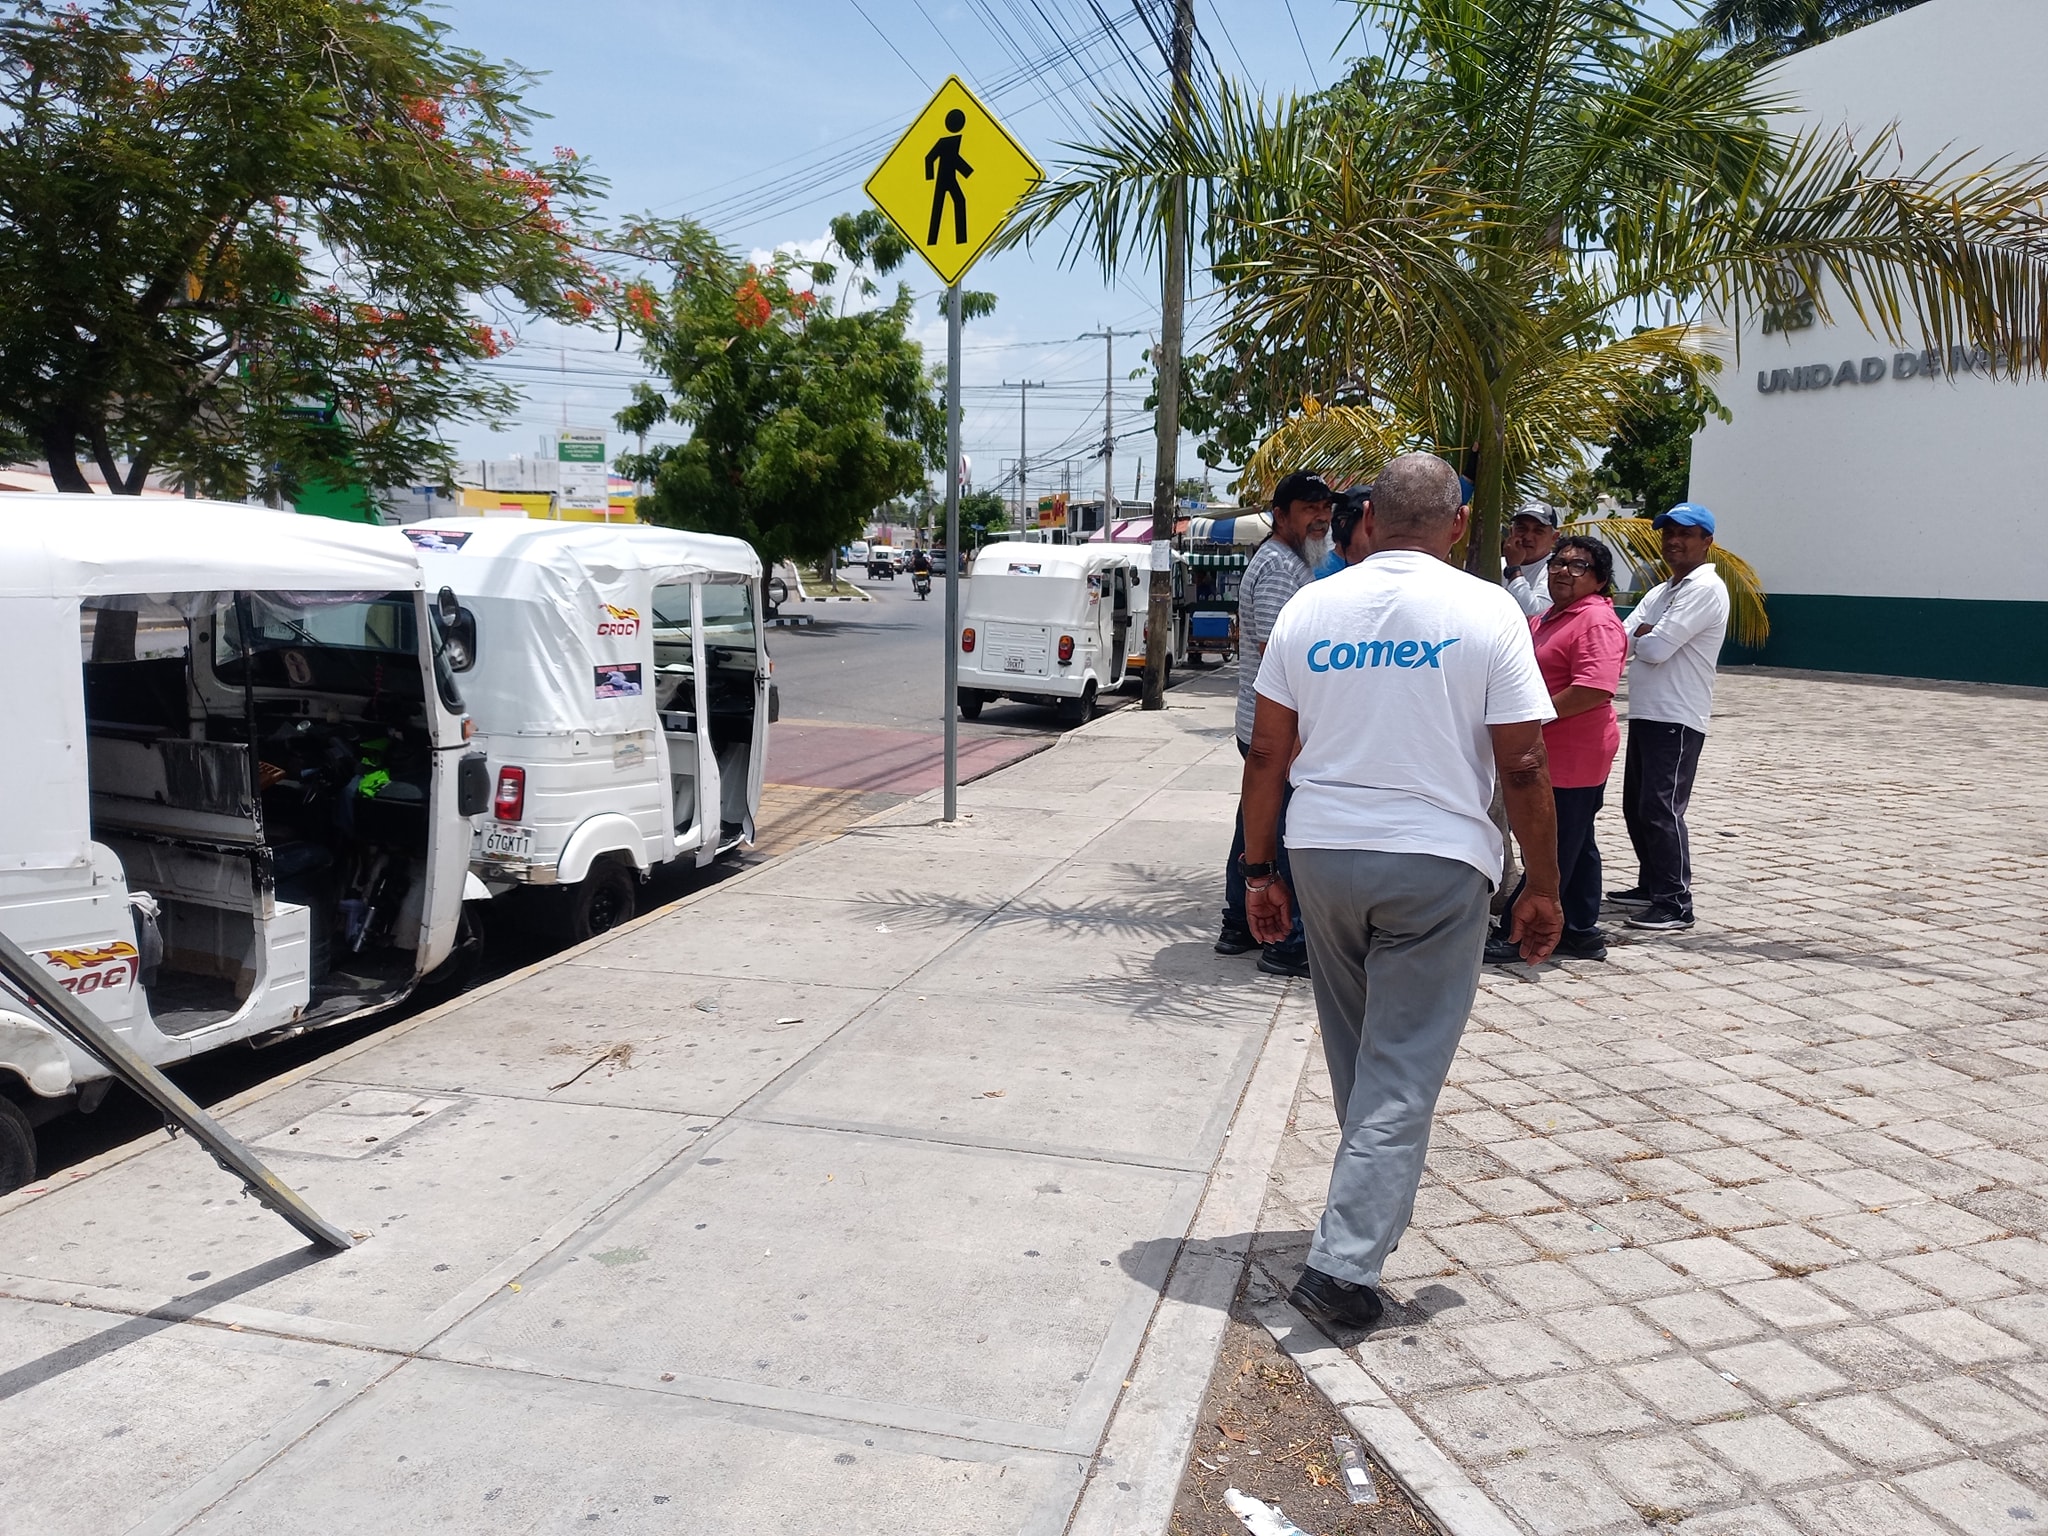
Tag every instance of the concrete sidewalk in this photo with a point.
(842, 1197)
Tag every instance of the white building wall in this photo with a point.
(1913, 487)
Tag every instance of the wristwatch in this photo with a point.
(1258, 871)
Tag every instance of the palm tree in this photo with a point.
(1774, 28)
(1440, 248)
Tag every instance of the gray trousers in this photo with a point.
(1394, 945)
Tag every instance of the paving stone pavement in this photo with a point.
(1745, 1227)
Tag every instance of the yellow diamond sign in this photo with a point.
(952, 179)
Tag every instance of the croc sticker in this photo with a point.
(87, 968)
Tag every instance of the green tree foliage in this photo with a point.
(983, 515)
(251, 242)
(1773, 28)
(1648, 460)
(802, 420)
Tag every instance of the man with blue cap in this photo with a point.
(1675, 638)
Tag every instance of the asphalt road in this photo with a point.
(881, 663)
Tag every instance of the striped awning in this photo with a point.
(1247, 531)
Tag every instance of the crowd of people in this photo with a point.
(1398, 718)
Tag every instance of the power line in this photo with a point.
(1302, 43)
(864, 16)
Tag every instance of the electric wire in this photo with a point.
(864, 16)
(1302, 43)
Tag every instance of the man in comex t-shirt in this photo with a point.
(1406, 682)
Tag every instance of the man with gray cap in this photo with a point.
(1531, 536)
(1391, 696)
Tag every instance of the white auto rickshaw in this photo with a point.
(1048, 624)
(238, 796)
(618, 680)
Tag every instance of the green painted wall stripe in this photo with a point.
(1957, 639)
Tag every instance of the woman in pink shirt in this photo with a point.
(1580, 647)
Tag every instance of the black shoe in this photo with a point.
(1336, 1303)
(1589, 945)
(1662, 917)
(1634, 896)
(1278, 960)
(1235, 941)
(1502, 951)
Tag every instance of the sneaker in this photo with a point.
(1589, 945)
(1281, 961)
(1661, 918)
(1634, 896)
(1336, 1303)
(1501, 950)
(1235, 941)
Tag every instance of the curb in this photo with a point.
(1450, 1498)
(1135, 1481)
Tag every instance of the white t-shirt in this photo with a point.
(1671, 677)
(1395, 669)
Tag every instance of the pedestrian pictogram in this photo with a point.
(952, 180)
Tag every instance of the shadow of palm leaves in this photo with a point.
(1162, 917)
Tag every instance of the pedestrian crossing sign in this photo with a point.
(952, 180)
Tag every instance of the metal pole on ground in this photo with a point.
(952, 701)
(74, 1022)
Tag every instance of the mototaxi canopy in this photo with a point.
(565, 613)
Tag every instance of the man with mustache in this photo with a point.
(1284, 564)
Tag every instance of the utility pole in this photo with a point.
(1172, 299)
(1023, 388)
(1109, 337)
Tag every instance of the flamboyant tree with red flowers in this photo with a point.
(803, 419)
(250, 243)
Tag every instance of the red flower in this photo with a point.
(428, 115)
(751, 306)
(580, 302)
(641, 300)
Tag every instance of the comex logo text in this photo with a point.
(1342, 655)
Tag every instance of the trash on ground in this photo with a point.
(1259, 1517)
(1358, 1484)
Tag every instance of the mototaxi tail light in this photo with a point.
(1066, 649)
(967, 641)
(509, 804)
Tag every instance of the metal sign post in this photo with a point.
(951, 704)
(77, 1024)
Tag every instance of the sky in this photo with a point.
(762, 118)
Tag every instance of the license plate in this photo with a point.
(1013, 663)
(508, 843)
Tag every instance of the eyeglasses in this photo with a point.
(1576, 567)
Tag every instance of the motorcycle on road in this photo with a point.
(921, 584)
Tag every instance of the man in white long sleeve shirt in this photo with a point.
(1531, 536)
(1675, 637)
